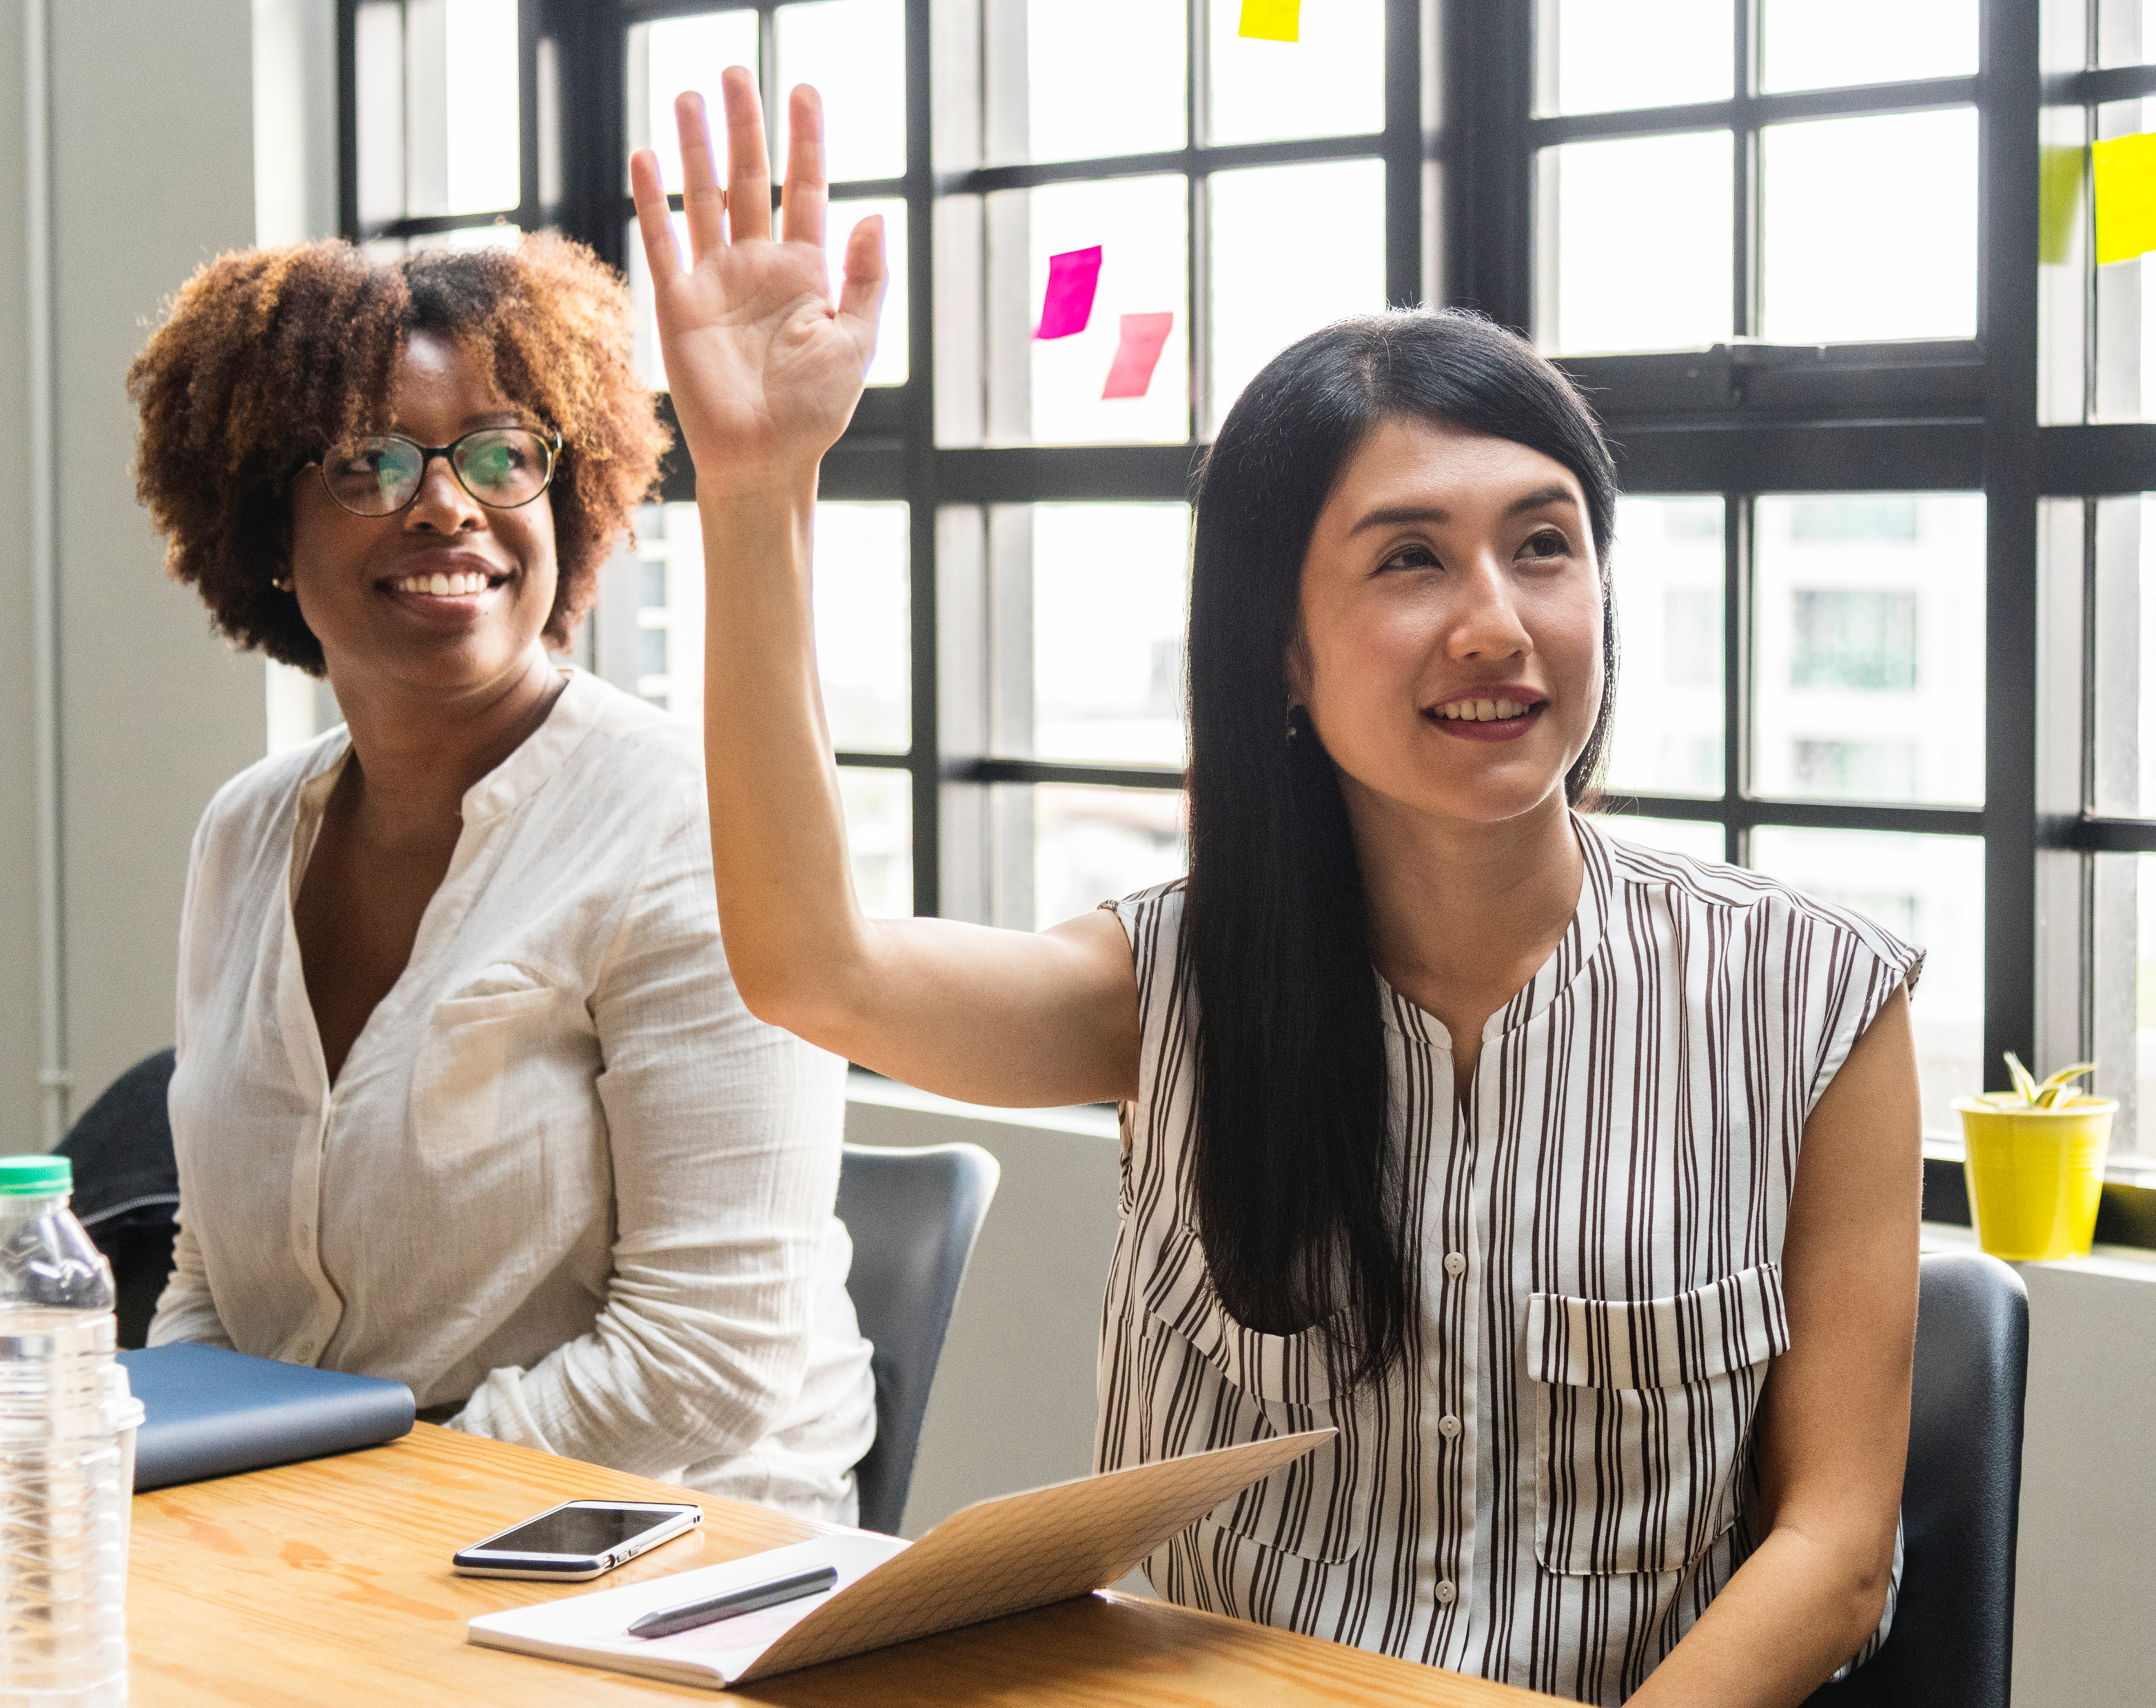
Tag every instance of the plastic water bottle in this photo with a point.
(63, 1508)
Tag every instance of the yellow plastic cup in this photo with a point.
(2035, 1175)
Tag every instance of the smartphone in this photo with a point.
(577, 1540)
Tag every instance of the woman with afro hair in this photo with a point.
(465, 1096)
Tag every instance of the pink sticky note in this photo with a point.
(1072, 279)
(1130, 373)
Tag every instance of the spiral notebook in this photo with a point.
(993, 1558)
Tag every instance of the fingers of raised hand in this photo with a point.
(806, 191)
(861, 294)
(748, 161)
(652, 217)
(702, 200)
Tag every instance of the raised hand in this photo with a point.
(765, 369)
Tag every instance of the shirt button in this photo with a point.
(1445, 1592)
(1455, 1264)
(1448, 1426)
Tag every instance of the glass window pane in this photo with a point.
(2124, 1010)
(1270, 287)
(893, 355)
(436, 106)
(1666, 736)
(1927, 891)
(1868, 649)
(378, 110)
(2125, 300)
(481, 130)
(1597, 57)
(854, 51)
(1693, 837)
(1111, 596)
(2125, 657)
(1141, 227)
(1635, 248)
(864, 598)
(1870, 228)
(1105, 78)
(1332, 83)
(670, 605)
(2125, 32)
(1829, 43)
(879, 806)
(670, 54)
(1093, 845)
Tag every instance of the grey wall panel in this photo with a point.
(153, 173)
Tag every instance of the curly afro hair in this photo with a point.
(270, 357)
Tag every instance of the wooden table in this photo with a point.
(330, 1583)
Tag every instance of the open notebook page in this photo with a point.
(594, 1629)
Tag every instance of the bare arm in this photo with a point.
(765, 373)
(1833, 1428)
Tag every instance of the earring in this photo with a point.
(282, 583)
(1291, 729)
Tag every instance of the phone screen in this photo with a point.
(579, 1530)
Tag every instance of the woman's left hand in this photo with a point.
(764, 368)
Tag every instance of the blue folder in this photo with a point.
(211, 1412)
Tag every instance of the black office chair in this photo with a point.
(127, 1187)
(1952, 1645)
(913, 1214)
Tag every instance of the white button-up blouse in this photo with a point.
(564, 1171)
(1556, 1482)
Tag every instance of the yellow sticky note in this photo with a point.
(1271, 20)
(2058, 200)
(2125, 178)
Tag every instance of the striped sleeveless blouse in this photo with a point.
(1558, 1478)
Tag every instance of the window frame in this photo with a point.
(1742, 420)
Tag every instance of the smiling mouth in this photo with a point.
(1485, 711)
(441, 585)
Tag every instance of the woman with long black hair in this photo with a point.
(1576, 1186)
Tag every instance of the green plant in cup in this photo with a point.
(2055, 1093)
(2035, 1162)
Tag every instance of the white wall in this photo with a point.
(20, 1128)
(153, 169)
(1013, 1405)
(153, 173)
(2082, 1629)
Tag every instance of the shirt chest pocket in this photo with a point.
(1645, 1415)
(472, 1038)
(1212, 1382)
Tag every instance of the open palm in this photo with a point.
(765, 370)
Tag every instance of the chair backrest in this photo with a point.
(1952, 1643)
(127, 1187)
(913, 1214)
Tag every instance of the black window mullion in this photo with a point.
(2007, 322)
(530, 27)
(1198, 345)
(1404, 285)
(347, 58)
(1744, 177)
(922, 469)
(1736, 674)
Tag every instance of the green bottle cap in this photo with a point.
(35, 1176)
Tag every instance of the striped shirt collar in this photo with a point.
(1581, 939)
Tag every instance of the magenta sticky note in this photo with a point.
(1073, 277)
(1130, 373)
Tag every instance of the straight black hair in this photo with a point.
(1297, 1198)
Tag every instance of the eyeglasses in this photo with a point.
(503, 468)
